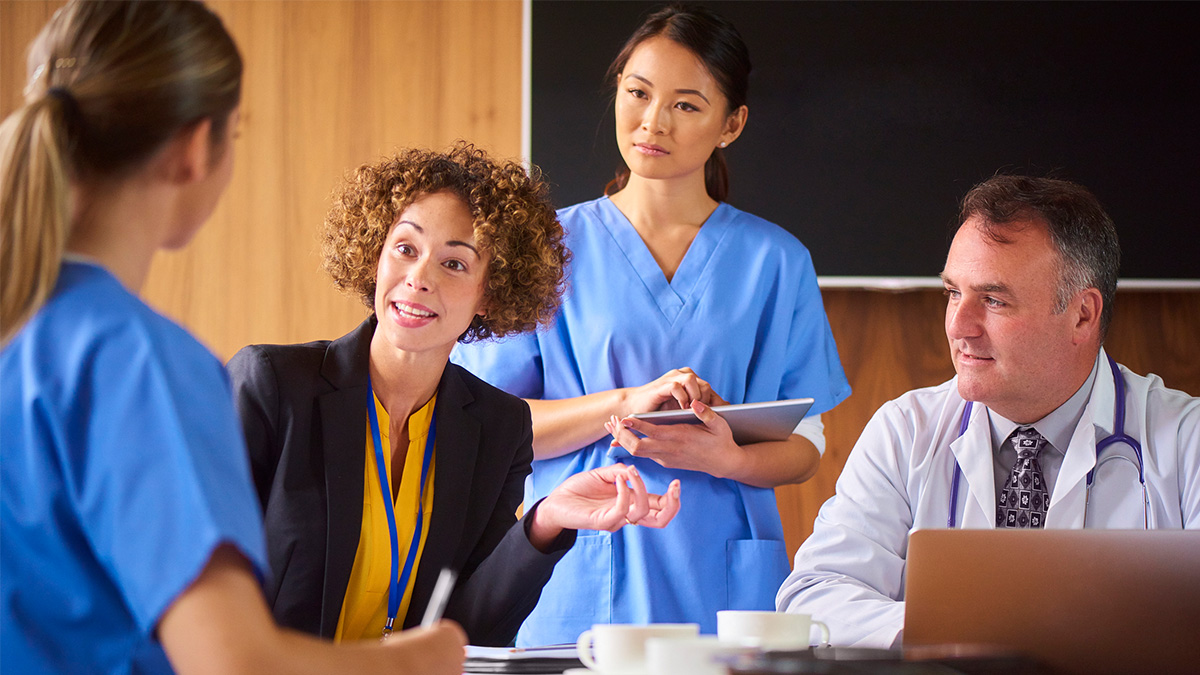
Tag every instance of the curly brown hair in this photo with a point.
(514, 223)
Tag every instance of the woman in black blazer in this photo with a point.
(443, 247)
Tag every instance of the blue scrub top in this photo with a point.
(122, 467)
(743, 310)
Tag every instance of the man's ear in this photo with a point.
(1088, 305)
(188, 156)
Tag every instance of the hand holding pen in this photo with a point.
(439, 598)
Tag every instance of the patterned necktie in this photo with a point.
(1024, 499)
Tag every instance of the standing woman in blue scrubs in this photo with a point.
(676, 299)
(130, 537)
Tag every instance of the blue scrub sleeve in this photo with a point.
(513, 364)
(815, 368)
(162, 479)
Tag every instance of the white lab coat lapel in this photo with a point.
(973, 450)
(1117, 501)
(1068, 500)
(1116, 492)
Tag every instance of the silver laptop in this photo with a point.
(1083, 601)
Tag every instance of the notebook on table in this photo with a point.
(549, 659)
(1083, 601)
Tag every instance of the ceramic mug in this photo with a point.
(768, 630)
(620, 649)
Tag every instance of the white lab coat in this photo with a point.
(850, 572)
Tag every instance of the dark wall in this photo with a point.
(868, 121)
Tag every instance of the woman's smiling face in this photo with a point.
(431, 276)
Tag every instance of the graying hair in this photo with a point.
(1089, 255)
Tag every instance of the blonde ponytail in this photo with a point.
(34, 207)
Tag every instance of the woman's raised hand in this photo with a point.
(707, 447)
(674, 390)
(606, 498)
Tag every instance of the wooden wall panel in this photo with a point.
(330, 85)
(19, 23)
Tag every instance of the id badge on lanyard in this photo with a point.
(398, 581)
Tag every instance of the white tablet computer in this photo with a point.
(749, 422)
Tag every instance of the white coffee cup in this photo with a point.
(768, 630)
(702, 655)
(620, 649)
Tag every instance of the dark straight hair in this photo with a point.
(719, 46)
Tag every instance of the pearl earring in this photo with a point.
(723, 144)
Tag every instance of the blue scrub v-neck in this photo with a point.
(745, 311)
(670, 297)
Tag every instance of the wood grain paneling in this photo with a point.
(19, 24)
(328, 86)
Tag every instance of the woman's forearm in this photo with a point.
(566, 425)
(221, 625)
(775, 463)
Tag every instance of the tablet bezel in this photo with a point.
(746, 420)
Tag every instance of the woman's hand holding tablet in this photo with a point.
(749, 422)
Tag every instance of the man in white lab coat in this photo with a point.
(1030, 280)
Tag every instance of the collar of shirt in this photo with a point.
(1057, 428)
(72, 257)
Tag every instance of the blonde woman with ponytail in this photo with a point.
(130, 535)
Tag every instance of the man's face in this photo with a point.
(1011, 351)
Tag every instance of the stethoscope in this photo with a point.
(1118, 436)
(398, 581)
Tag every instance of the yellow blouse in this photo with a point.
(364, 609)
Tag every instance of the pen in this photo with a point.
(439, 597)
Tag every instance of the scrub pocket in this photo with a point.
(756, 570)
(578, 594)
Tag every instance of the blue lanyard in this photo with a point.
(396, 589)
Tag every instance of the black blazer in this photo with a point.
(304, 412)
